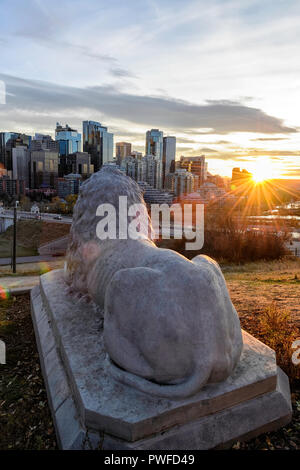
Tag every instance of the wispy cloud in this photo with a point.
(268, 139)
(222, 117)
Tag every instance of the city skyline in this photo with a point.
(222, 77)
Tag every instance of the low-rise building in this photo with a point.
(68, 185)
(12, 187)
(155, 196)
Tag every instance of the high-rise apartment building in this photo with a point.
(147, 169)
(151, 171)
(123, 150)
(240, 177)
(181, 182)
(169, 155)
(69, 139)
(154, 146)
(137, 155)
(98, 142)
(195, 165)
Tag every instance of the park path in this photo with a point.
(26, 259)
(17, 284)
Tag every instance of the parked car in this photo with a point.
(57, 217)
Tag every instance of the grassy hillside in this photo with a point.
(6, 249)
(30, 235)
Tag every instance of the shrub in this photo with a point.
(225, 240)
(277, 331)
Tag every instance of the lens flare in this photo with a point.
(4, 293)
(44, 267)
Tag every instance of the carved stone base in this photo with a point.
(91, 409)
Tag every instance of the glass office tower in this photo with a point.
(9, 141)
(69, 139)
(169, 155)
(154, 146)
(98, 142)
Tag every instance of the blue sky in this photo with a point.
(223, 75)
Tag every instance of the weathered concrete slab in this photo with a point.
(84, 393)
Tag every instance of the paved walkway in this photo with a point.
(18, 284)
(27, 259)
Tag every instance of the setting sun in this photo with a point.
(260, 176)
(263, 170)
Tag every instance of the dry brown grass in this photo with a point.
(254, 286)
(277, 330)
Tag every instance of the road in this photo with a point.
(44, 216)
(28, 259)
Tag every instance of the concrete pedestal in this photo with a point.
(91, 409)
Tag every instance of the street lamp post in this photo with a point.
(14, 261)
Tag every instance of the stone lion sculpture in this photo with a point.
(169, 326)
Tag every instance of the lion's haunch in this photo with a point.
(169, 324)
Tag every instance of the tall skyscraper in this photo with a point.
(21, 164)
(123, 150)
(98, 142)
(69, 139)
(8, 141)
(154, 146)
(169, 155)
